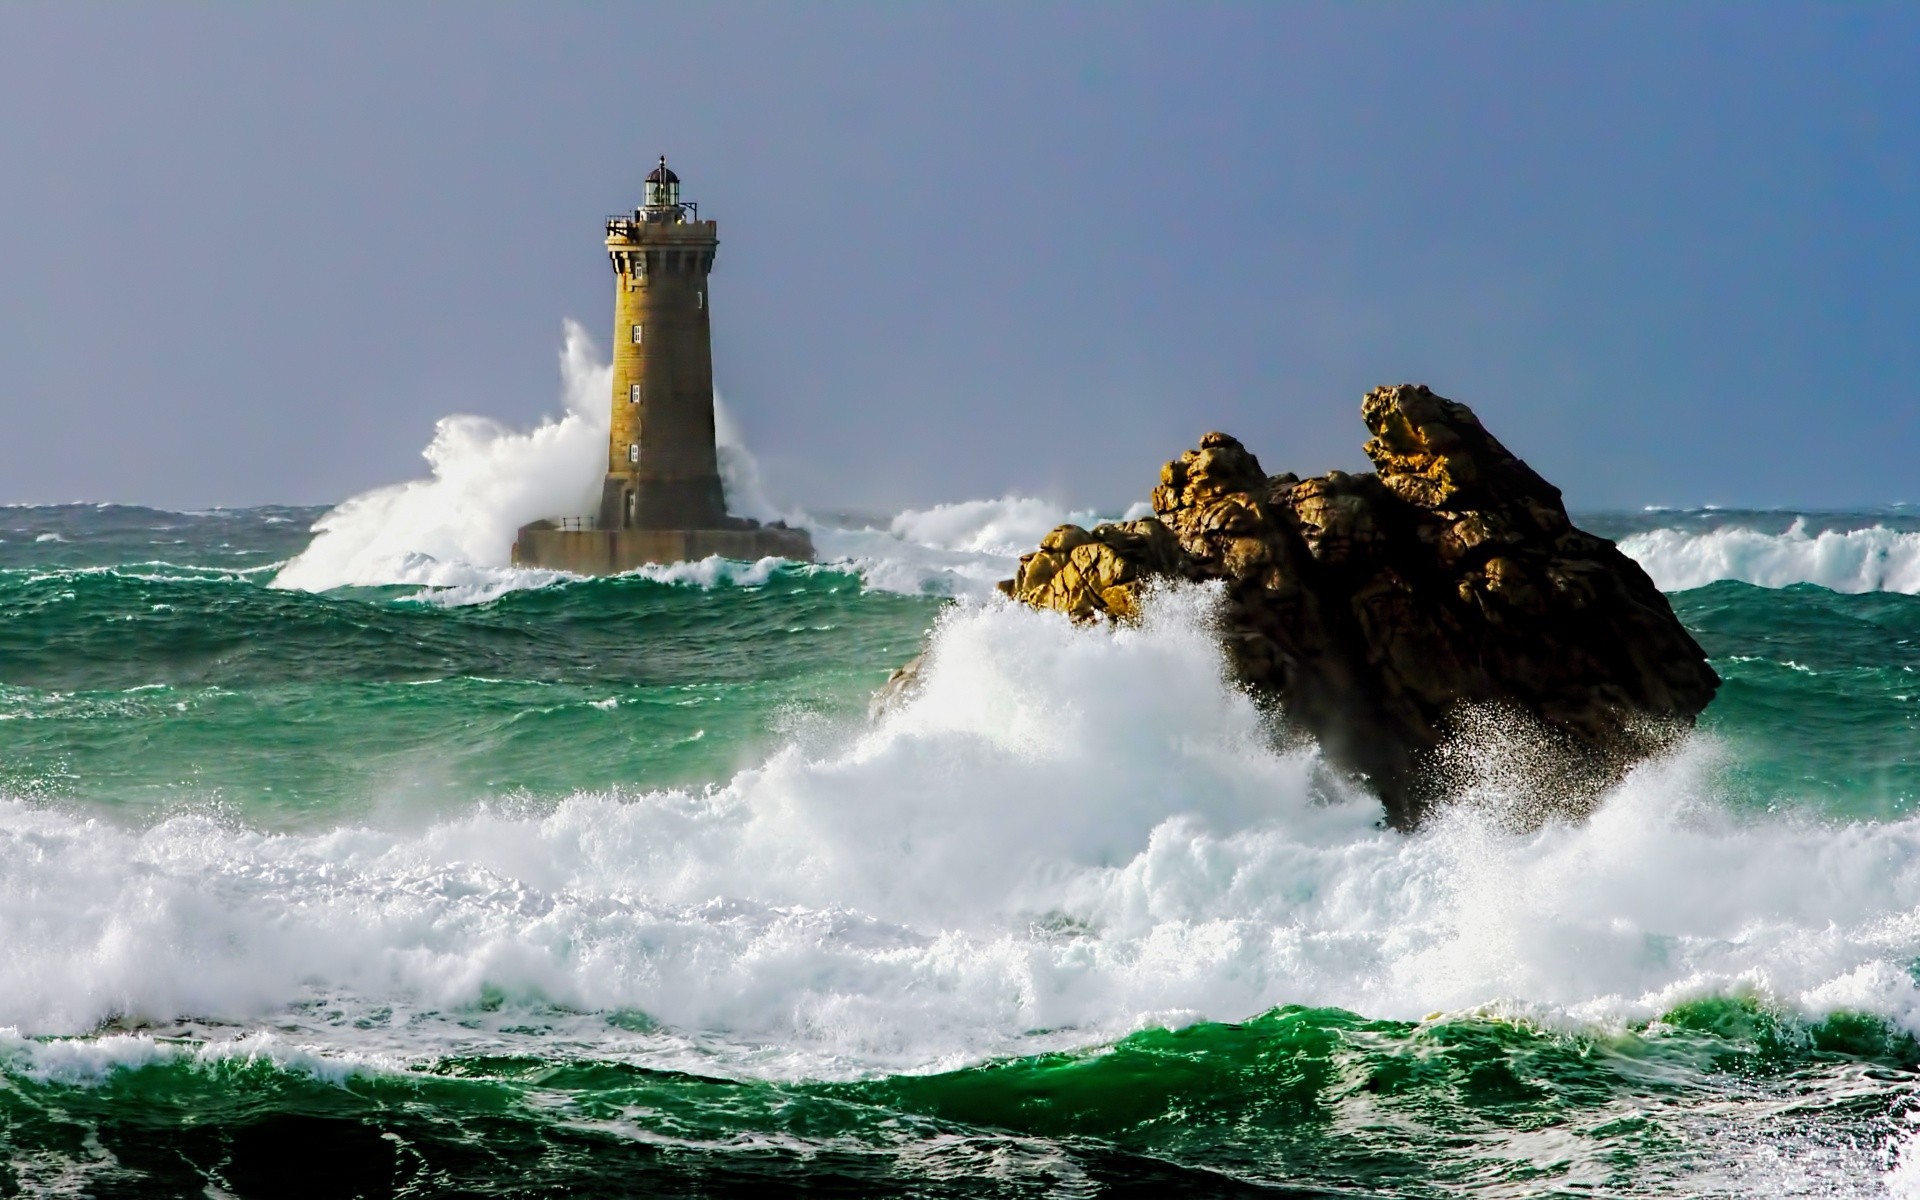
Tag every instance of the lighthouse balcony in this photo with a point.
(683, 220)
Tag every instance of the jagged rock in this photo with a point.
(1382, 610)
(1098, 572)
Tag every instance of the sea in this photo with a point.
(339, 858)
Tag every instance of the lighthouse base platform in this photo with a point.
(567, 546)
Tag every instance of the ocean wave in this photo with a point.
(1007, 527)
(1872, 559)
(85, 1061)
(459, 584)
(486, 482)
(962, 557)
(451, 534)
(1070, 830)
(959, 550)
(155, 571)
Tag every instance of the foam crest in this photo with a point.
(888, 562)
(950, 549)
(1011, 525)
(1872, 559)
(1067, 829)
(462, 584)
(453, 531)
(487, 480)
(93, 1060)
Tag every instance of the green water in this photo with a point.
(364, 893)
(172, 688)
(1294, 1102)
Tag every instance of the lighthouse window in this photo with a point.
(633, 393)
(633, 452)
(636, 335)
(699, 299)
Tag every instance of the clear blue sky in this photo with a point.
(1671, 253)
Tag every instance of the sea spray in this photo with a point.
(959, 550)
(455, 529)
(1874, 558)
(1068, 829)
(453, 532)
(1007, 527)
(740, 472)
(618, 872)
(487, 481)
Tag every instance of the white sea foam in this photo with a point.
(950, 549)
(1068, 829)
(1873, 559)
(91, 1060)
(1011, 525)
(487, 481)
(452, 533)
(1903, 1177)
(454, 530)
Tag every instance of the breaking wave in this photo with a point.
(1876, 558)
(950, 549)
(452, 533)
(455, 529)
(1067, 835)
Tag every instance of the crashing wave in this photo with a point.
(487, 480)
(1872, 559)
(452, 533)
(454, 530)
(1066, 829)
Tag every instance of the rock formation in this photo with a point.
(1383, 610)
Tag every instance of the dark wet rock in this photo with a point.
(1383, 611)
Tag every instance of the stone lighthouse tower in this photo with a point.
(662, 499)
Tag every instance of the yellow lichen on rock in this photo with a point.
(1377, 608)
(1089, 574)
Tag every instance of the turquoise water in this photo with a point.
(613, 887)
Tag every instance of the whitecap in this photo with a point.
(1072, 830)
(1871, 559)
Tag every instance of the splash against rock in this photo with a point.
(1380, 609)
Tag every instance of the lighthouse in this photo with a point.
(662, 499)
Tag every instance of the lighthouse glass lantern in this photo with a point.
(663, 187)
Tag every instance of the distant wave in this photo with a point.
(1872, 559)
(451, 533)
(955, 549)
(1011, 525)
